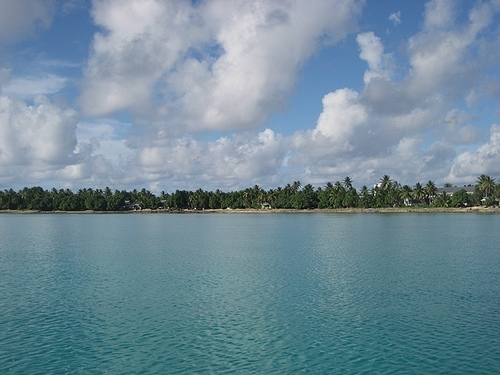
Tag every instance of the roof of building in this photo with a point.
(451, 190)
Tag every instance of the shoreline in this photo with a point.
(476, 209)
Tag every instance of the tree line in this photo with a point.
(341, 194)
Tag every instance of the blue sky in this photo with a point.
(228, 94)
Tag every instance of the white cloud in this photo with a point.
(395, 17)
(107, 137)
(442, 51)
(457, 130)
(407, 128)
(19, 19)
(486, 160)
(191, 71)
(234, 162)
(38, 143)
(217, 66)
(141, 41)
(439, 14)
(342, 115)
(372, 51)
(39, 134)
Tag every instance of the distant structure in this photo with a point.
(130, 207)
(469, 189)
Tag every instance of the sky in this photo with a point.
(228, 94)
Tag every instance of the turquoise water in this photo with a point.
(250, 294)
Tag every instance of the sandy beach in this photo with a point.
(429, 210)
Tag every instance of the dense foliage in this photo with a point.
(341, 194)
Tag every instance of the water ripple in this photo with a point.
(255, 294)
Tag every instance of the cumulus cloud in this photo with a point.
(41, 133)
(441, 52)
(342, 115)
(141, 40)
(39, 143)
(234, 162)
(372, 51)
(36, 141)
(107, 138)
(407, 128)
(229, 72)
(486, 160)
(213, 66)
(200, 78)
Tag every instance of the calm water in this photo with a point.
(250, 294)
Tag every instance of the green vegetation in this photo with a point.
(341, 194)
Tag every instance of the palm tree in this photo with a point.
(192, 200)
(351, 198)
(347, 183)
(282, 197)
(394, 194)
(259, 196)
(430, 191)
(442, 200)
(337, 195)
(385, 182)
(382, 192)
(486, 185)
(364, 191)
(324, 195)
(271, 197)
(200, 199)
(247, 197)
(418, 192)
(366, 199)
(406, 194)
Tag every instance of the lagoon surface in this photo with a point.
(302, 293)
